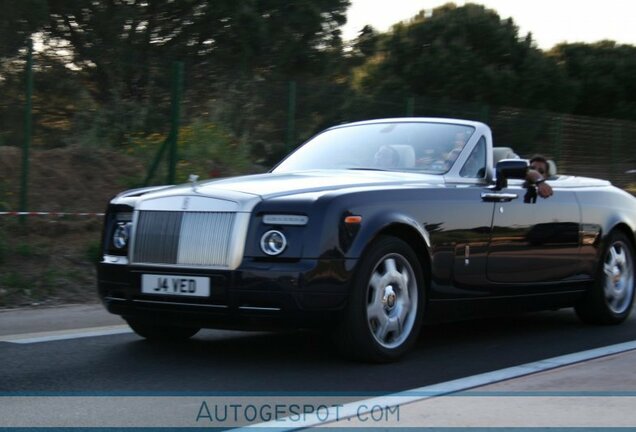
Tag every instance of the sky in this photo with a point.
(550, 21)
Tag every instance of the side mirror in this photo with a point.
(510, 169)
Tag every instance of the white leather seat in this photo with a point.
(552, 169)
(500, 153)
(406, 154)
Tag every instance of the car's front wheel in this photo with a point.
(611, 298)
(385, 308)
(156, 332)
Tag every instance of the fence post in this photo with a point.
(484, 113)
(27, 130)
(175, 117)
(410, 106)
(617, 135)
(155, 162)
(558, 141)
(291, 116)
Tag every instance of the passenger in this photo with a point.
(540, 164)
(458, 145)
(451, 157)
(386, 157)
(538, 171)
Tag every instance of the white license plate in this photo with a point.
(175, 285)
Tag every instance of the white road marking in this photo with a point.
(29, 338)
(420, 394)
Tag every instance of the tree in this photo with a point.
(119, 42)
(603, 75)
(20, 19)
(465, 53)
(124, 49)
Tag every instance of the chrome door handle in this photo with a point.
(498, 197)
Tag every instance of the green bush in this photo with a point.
(25, 250)
(203, 148)
(4, 195)
(208, 150)
(4, 247)
(16, 281)
(93, 251)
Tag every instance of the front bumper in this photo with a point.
(255, 296)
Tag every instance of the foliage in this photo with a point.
(36, 266)
(15, 280)
(57, 102)
(4, 247)
(104, 77)
(93, 252)
(208, 149)
(603, 75)
(203, 148)
(25, 250)
(19, 21)
(465, 53)
(5, 194)
(125, 47)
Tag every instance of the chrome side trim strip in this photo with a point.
(114, 299)
(169, 303)
(116, 259)
(254, 308)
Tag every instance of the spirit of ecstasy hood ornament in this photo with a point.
(193, 179)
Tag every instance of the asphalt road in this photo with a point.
(219, 361)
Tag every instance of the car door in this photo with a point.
(533, 242)
(472, 241)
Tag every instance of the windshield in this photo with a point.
(415, 147)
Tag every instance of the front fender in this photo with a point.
(380, 223)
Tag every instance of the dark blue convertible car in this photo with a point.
(366, 231)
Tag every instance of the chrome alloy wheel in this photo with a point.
(618, 270)
(392, 300)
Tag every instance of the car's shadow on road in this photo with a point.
(216, 362)
(309, 361)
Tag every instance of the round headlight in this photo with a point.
(273, 242)
(121, 235)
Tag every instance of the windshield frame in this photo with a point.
(470, 128)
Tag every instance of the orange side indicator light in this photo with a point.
(353, 220)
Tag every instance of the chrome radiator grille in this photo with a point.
(183, 238)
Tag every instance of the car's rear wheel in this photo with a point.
(156, 332)
(611, 298)
(385, 308)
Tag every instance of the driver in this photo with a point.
(386, 157)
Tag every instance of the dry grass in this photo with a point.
(50, 260)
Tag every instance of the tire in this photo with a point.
(155, 332)
(384, 313)
(610, 300)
